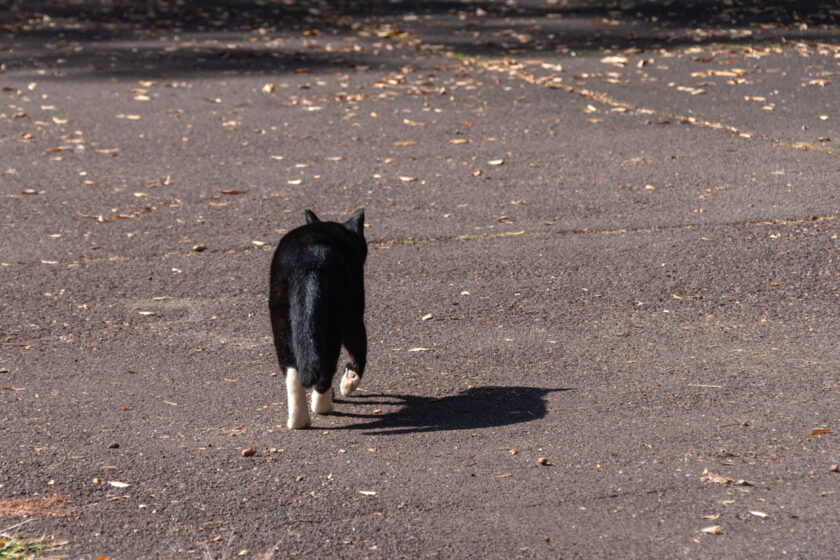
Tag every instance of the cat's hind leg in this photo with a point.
(298, 413)
(322, 403)
(355, 340)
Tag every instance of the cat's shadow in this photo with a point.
(475, 408)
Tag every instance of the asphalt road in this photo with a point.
(602, 285)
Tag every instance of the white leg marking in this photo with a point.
(322, 403)
(298, 414)
(349, 382)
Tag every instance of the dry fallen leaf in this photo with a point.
(118, 484)
(615, 60)
(710, 517)
(759, 514)
(367, 492)
(691, 90)
(231, 191)
(404, 143)
(713, 530)
(720, 479)
(418, 349)
(818, 431)
(496, 162)
(407, 179)
(712, 477)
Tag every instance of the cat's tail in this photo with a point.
(313, 339)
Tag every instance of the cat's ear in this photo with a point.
(356, 223)
(311, 218)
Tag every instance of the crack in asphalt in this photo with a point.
(606, 99)
(807, 147)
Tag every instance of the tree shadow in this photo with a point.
(472, 409)
(567, 27)
(177, 37)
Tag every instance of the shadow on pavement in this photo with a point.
(476, 408)
(178, 37)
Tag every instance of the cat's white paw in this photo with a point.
(322, 403)
(298, 414)
(299, 420)
(349, 382)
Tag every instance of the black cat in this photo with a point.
(317, 303)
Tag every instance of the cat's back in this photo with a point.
(313, 246)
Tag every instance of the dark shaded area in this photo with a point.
(533, 28)
(473, 409)
(157, 37)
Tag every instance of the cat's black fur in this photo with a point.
(317, 299)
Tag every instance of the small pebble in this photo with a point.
(834, 468)
(113, 445)
(249, 452)
(542, 461)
